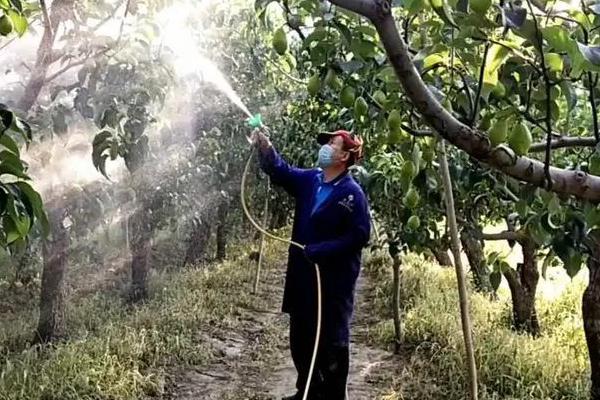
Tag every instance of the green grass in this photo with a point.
(118, 352)
(510, 365)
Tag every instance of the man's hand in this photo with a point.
(260, 140)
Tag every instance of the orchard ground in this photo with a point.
(203, 334)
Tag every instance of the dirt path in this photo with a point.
(253, 359)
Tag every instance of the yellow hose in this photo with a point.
(301, 247)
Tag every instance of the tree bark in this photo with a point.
(441, 255)
(25, 259)
(197, 242)
(222, 230)
(591, 311)
(470, 140)
(396, 264)
(45, 55)
(141, 245)
(473, 248)
(55, 255)
(523, 285)
(279, 214)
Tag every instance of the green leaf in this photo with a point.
(547, 262)
(573, 263)
(433, 59)
(345, 32)
(6, 120)
(522, 208)
(363, 49)
(495, 279)
(367, 30)
(569, 93)
(114, 149)
(23, 224)
(101, 166)
(317, 35)
(493, 257)
(10, 144)
(558, 38)
(9, 169)
(442, 8)
(497, 54)
(309, 5)
(36, 202)
(504, 266)
(101, 137)
(17, 4)
(415, 6)
(8, 157)
(102, 142)
(10, 229)
(19, 22)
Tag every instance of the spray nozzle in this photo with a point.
(255, 121)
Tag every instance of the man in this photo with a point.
(332, 220)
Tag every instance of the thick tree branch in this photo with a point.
(287, 20)
(564, 142)
(548, 118)
(46, 18)
(416, 132)
(74, 64)
(512, 278)
(505, 235)
(472, 141)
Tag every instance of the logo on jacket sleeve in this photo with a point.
(347, 202)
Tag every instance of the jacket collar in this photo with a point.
(336, 181)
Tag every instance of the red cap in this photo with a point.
(352, 143)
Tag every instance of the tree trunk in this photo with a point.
(45, 55)
(523, 284)
(396, 264)
(441, 255)
(473, 248)
(141, 245)
(279, 213)
(591, 312)
(197, 242)
(125, 225)
(25, 259)
(55, 254)
(222, 230)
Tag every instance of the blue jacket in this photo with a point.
(334, 236)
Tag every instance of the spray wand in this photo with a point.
(255, 122)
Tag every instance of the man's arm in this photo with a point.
(355, 239)
(281, 173)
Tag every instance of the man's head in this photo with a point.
(339, 148)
